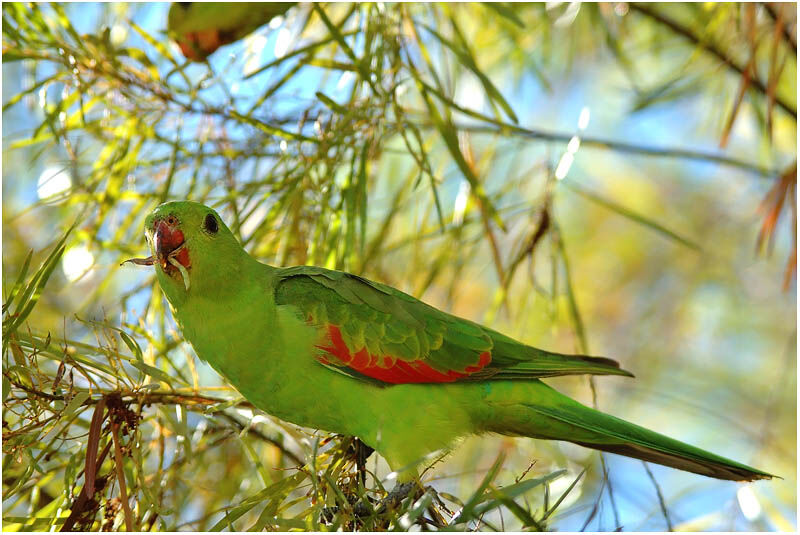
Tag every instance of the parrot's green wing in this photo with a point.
(371, 330)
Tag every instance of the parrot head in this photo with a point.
(192, 249)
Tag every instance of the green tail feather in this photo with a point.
(618, 436)
(550, 415)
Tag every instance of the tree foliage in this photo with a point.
(402, 142)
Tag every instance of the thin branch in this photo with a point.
(588, 141)
(191, 402)
(711, 48)
(790, 39)
(123, 491)
(261, 436)
(661, 501)
(83, 501)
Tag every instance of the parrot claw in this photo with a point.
(390, 502)
(399, 493)
(393, 499)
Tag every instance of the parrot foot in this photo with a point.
(361, 452)
(378, 509)
(399, 493)
(395, 497)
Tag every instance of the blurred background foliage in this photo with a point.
(614, 178)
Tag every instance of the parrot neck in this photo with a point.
(209, 317)
(222, 279)
(225, 326)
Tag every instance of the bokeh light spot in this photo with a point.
(76, 262)
(748, 502)
(52, 181)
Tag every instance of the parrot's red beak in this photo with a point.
(168, 242)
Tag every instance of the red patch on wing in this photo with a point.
(400, 371)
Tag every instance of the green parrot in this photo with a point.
(334, 351)
(200, 28)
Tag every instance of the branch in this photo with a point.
(661, 502)
(123, 492)
(773, 13)
(713, 49)
(191, 402)
(258, 434)
(621, 146)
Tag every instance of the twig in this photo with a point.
(265, 438)
(614, 508)
(29, 390)
(784, 26)
(79, 506)
(584, 346)
(630, 214)
(191, 402)
(661, 501)
(711, 48)
(123, 491)
(525, 472)
(621, 146)
(487, 227)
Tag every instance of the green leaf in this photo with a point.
(35, 87)
(633, 216)
(467, 512)
(274, 495)
(506, 494)
(6, 388)
(463, 54)
(153, 372)
(211, 409)
(63, 20)
(132, 345)
(505, 10)
(269, 129)
(141, 57)
(34, 289)
(336, 33)
(159, 45)
(18, 283)
(448, 133)
(77, 400)
(332, 104)
(417, 510)
(563, 495)
(573, 302)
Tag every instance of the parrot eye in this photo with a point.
(210, 224)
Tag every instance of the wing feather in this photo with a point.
(370, 330)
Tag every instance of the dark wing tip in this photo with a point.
(607, 366)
